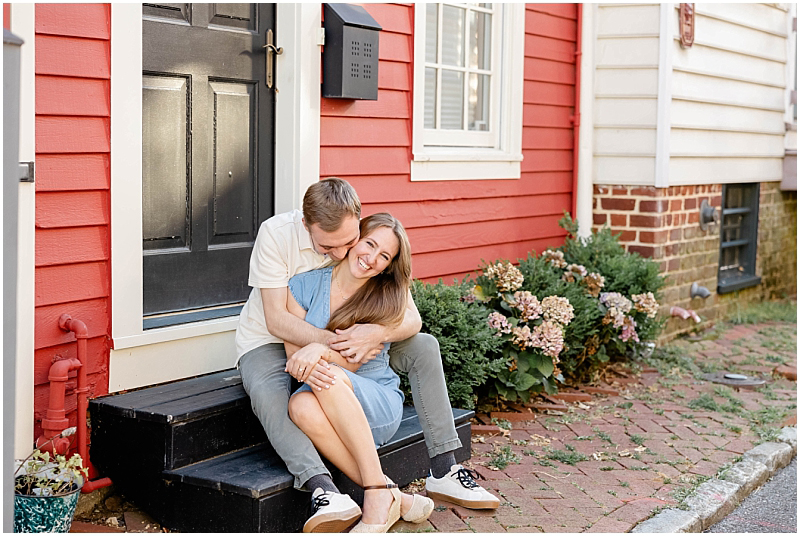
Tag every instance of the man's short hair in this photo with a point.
(328, 202)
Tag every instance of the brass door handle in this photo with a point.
(272, 51)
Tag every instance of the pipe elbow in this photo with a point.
(67, 323)
(59, 371)
(679, 311)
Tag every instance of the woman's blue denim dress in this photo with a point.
(375, 384)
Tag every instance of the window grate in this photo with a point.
(738, 237)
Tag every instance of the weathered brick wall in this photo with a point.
(664, 224)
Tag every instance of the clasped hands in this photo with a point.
(359, 343)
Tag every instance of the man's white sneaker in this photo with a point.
(459, 487)
(333, 512)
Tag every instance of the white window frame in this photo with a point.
(446, 155)
(140, 357)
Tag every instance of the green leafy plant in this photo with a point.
(38, 474)
(470, 351)
(502, 457)
(503, 424)
(569, 456)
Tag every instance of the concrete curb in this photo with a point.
(716, 498)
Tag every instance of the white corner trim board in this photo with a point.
(22, 25)
(663, 127)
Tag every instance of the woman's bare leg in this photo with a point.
(349, 425)
(307, 414)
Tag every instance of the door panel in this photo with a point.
(234, 15)
(234, 160)
(164, 156)
(208, 129)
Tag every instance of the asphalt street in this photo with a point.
(772, 508)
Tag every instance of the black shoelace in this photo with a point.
(467, 478)
(319, 501)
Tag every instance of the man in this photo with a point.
(296, 242)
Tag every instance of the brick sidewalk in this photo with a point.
(605, 464)
(604, 459)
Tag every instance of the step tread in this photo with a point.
(252, 472)
(178, 401)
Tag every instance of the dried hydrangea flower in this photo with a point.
(527, 304)
(555, 258)
(569, 277)
(629, 330)
(615, 299)
(594, 282)
(614, 316)
(646, 303)
(522, 337)
(577, 269)
(506, 276)
(592, 344)
(557, 309)
(549, 337)
(499, 322)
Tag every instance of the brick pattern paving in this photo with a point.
(605, 464)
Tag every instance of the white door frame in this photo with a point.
(140, 358)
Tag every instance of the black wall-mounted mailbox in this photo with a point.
(350, 56)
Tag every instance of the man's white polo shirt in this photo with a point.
(283, 249)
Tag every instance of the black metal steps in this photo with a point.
(193, 455)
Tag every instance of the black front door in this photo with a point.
(208, 141)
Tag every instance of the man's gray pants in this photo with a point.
(268, 386)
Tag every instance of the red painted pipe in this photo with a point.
(576, 118)
(67, 323)
(55, 419)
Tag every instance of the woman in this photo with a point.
(363, 408)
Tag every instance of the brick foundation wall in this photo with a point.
(664, 224)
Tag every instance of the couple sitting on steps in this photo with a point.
(331, 306)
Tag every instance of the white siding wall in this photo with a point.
(727, 110)
(626, 93)
(728, 96)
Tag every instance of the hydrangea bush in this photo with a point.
(598, 303)
(532, 331)
(555, 317)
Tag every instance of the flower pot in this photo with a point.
(36, 513)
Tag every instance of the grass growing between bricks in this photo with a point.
(611, 462)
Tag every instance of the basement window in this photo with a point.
(738, 238)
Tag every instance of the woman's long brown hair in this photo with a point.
(382, 299)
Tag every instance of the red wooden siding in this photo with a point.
(7, 16)
(73, 68)
(455, 224)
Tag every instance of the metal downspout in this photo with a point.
(576, 117)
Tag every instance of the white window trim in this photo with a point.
(466, 163)
(143, 358)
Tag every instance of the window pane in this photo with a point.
(431, 28)
(453, 19)
(732, 227)
(452, 100)
(430, 98)
(480, 40)
(478, 104)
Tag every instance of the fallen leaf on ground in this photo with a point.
(624, 453)
(583, 406)
(539, 441)
(479, 439)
